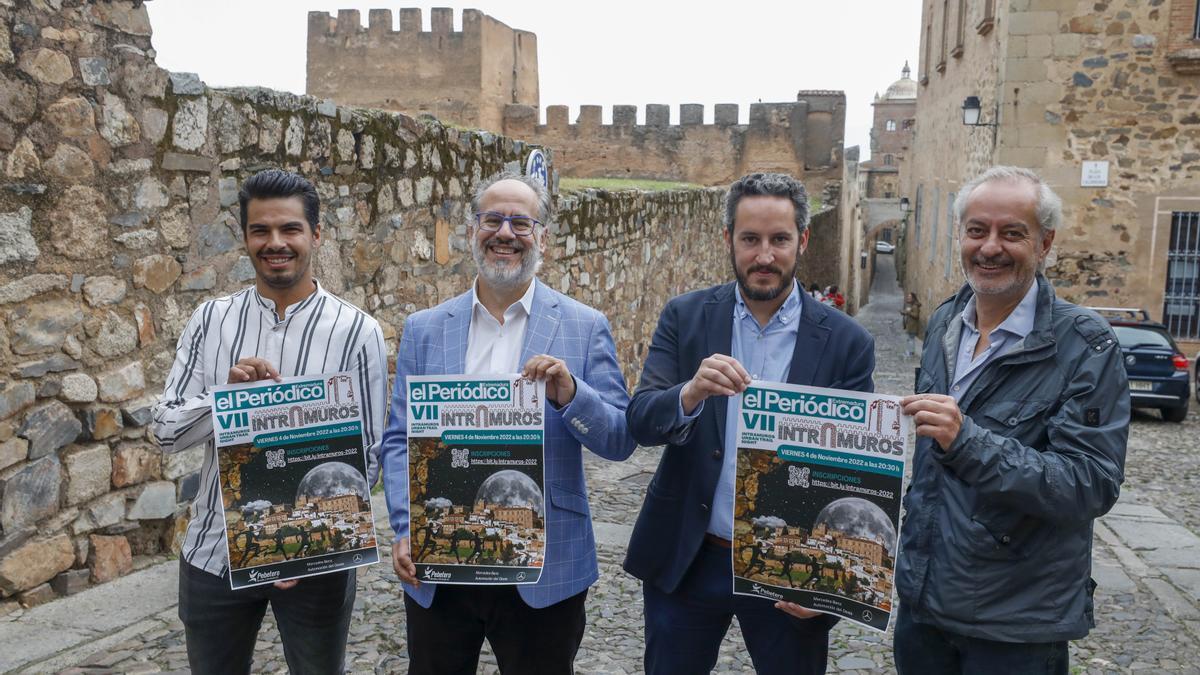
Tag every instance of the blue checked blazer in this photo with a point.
(434, 342)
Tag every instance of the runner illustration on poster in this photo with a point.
(293, 478)
(476, 478)
(817, 511)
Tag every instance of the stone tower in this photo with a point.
(465, 77)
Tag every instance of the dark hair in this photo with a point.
(770, 184)
(278, 184)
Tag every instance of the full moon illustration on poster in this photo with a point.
(817, 510)
(476, 478)
(293, 479)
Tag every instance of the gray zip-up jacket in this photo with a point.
(996, 541)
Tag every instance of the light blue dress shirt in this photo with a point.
(765, 353)
(1002, 339)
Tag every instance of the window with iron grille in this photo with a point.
(1181, 299)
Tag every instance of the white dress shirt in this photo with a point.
(492, 347)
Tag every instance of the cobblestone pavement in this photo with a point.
(1146, 561)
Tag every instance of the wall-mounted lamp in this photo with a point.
(971, 108)
(862, 260)
(904, 206)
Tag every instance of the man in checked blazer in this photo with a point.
(510, 322)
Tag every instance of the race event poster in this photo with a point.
(476, 478)
(293, 478)
(817, 507)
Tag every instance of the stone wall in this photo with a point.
(465, 77)
(1069, 81)
(802, 138)
(118, 215)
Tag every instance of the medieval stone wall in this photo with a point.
(118, 216)
(486, 76)
(1067, 81)
(465, 77)
(801, 138)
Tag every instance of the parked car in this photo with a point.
(1157, 369)
(882, 246)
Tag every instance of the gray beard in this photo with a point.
(505, 277)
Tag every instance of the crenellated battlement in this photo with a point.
(485, 75)
(463, 76)
(381, 22)
(656, 115)
(800, 137)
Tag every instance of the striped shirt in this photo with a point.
(320, 334)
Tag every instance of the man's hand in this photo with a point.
(285, 585)
(934, 415)
(718, 375)
(796, 610)
(402, 562)
(252, 369)
(560, 385)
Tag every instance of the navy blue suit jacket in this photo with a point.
(832, 350)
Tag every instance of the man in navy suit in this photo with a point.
(510, 322)
(709, 345)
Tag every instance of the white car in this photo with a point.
(884, 247)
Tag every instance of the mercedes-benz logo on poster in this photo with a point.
(357, 557)
(867, 615)
(535, 166)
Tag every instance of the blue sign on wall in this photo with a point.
(535, 165)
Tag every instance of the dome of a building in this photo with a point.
(903, 88)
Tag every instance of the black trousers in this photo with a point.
(446, 638)
(221, 625)
(922, 649)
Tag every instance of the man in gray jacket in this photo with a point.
(1022, 415)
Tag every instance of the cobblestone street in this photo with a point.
(1147, 563)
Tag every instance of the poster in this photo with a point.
(476, 478)
(817, 507)
(293, 478)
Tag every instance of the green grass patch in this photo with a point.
(616, 184)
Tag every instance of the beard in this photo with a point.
(759, 294)
(506, 276)
(1018, 280)
(281, 279)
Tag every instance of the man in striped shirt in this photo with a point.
(285, 324)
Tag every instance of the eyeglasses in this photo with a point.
(491, 221)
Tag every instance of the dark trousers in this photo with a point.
(445, 639)
(922, 649)
(684, 629)
(221, 625)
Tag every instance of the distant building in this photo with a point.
(891, 137)
(872, 190)
(865, 549)
(521, 516)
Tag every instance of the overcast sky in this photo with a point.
(613, 52)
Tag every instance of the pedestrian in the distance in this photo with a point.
(912, 323)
